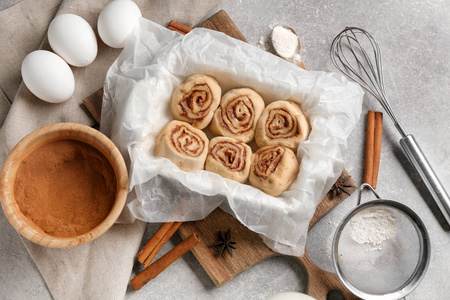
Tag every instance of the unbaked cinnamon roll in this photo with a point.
(184, 145)
(282, 123)
(195, 100)
(229, 158)
(238, 114)
(273, 169)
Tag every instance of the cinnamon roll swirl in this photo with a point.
(238, 114)
(282, 123)
(229, 158)
(195, 100)
(273, 169)
(184, 145)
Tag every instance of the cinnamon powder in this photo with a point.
(66, 188)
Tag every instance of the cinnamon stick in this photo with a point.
(179, 27)
(377, 146)
(176, 29)
(370, 140)
(151, 244)
(161, 242)
(374, 134)
(163, 262)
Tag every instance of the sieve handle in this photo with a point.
(321, 284)
(366, 186)
(423, 167)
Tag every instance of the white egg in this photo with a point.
(48, 76)
(116, 22)
(290, 296)
(72, 38)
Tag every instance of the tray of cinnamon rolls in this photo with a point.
(206, 121)
(235, 119)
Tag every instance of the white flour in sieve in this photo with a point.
(373, 226)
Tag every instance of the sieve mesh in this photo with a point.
(383, 261)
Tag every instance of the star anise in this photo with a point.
(224, 243)
(341, 186)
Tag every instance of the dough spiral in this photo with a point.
(238, 114)
(184, 145)
(282, 123)
(229, 158)
(195, 100)
(273, 169)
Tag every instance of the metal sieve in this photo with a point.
(381, 249)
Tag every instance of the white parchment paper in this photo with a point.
(136, 107)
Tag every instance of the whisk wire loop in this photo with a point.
(372, 76)
(350, 56)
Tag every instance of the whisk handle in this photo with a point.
(423, 167)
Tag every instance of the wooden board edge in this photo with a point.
(217, 21)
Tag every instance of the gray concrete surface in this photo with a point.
(415, 38)
(4, 4)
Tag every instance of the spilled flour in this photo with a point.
(263, 43)
(373, 226)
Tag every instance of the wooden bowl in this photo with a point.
(42, 137)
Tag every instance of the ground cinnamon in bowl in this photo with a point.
(66, 188)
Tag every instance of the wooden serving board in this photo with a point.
(250, 247)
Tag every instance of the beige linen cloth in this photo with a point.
(100, 269)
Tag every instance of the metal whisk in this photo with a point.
(363, 65)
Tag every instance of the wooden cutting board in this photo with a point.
(250, 247)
